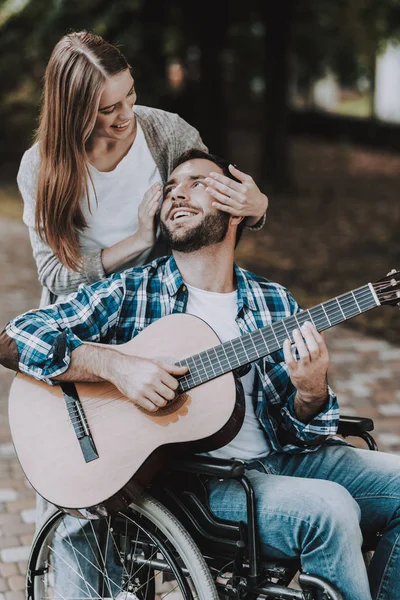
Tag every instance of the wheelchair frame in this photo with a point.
(207, 530)
(230, 549)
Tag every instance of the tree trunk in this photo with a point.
(274, 167)
(207, 29)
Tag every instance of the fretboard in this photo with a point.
(250, 347)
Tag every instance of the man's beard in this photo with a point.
(212, 230)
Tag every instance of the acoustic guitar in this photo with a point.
(88, 446)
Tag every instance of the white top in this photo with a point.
(119, 193)
(219, 311)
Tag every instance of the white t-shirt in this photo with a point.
(113, 215)
(219, 311)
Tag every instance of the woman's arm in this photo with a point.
(52, 274)
(131, 247)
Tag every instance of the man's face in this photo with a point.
(188, 220)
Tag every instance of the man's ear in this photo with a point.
(236, 220)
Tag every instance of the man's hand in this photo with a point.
(308, 374)
(148, 383)
(242, 199)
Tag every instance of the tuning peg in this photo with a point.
(392, 272)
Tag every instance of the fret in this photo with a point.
(273, 331)
(297, 322)
(284, 324)
(355, 300)
(365, 298)
(311, 319)
(219, 368)
(203, 366)
(193, 371)
(349, 306)
(205, 357)
(326, 315)
(320, 317)
(234, 350)
(283, 333)
(291, 324)
(302, 317)
(335, 316)
(240, 350)
(258, 339)
(226, 355)
(248, 343)
(269, 340)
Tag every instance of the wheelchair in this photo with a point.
(168, 544)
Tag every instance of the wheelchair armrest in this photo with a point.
(213, 467)
(354, 425)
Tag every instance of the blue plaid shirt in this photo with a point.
(116, 309)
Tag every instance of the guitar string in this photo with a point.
(268, 340)
(361, 302)
(234, 355)
(204, 354)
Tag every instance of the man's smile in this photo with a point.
(182, 213)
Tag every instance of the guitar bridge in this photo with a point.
(79, 422)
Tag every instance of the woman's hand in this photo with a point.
(242, 199)
(146, 215)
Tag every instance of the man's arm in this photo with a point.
(149, 384)
(40, 342)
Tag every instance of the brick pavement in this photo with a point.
(365, 372)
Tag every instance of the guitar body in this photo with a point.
(129, 441)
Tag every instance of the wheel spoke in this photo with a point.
(131, 556)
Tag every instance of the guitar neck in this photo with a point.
(250, 347)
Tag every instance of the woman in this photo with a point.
(96, 154)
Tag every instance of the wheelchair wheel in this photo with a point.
(142, 553)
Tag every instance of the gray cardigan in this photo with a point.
(167, 136)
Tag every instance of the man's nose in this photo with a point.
(180, 193)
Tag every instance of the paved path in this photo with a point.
(365, 373)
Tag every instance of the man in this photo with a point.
(315, 497)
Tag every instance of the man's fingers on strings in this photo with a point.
(156, 399)
(174, 369)
(165, 392)
(288, 354)
(300, 345)
(308, 332)
(146, 404)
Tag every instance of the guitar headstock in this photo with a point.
(388, 288)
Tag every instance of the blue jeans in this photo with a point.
(317, 506)
(83, 560)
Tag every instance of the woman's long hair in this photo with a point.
(74, 80)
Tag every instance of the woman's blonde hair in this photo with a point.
(74, 80)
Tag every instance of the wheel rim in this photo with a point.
(124, 558)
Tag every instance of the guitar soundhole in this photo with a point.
(169, 408)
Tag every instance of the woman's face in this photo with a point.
(115, 118)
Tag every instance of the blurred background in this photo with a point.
(303, 95)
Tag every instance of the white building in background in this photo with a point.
(325, 92)
(387, 85)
